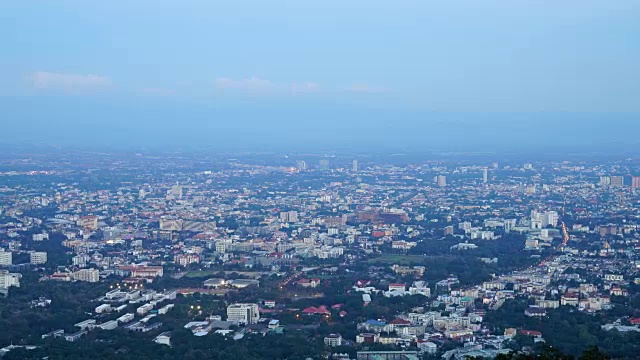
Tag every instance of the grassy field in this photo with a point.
(212, 273)
(391, 259)
(200, 273)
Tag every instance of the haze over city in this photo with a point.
(285, 75)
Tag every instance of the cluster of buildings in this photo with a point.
(174, 217)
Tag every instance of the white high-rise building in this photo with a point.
(605, 180)
(176, 191)
(8, 279)
(441, 180)
(244, 313)
(289, 216)
(80, 260)
(540, 220)
(6, 258)
(617, 181)
(88, 275)
(485, 175)
(550, 218)
(301, 165)
(354, 166)
(466, 226)
(38, 257)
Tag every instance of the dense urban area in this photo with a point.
(325, 256)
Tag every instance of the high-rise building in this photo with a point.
(6, 258)
(243, 313)
(324, 164)
(485, 175)
(540, 220)
(88, 222)
(605, 180)
(354, 166)
(176, 191)
(301, 165)
(186, 259)
(617, 181)
(80, 260)
(38, 257)
(441, 180)
(8, 279)
(88, 275)
(635, 182)
(509, 224)
(289, 216)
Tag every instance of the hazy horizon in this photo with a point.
(490, 76)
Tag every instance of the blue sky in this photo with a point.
(286, 70)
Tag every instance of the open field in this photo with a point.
(391, 259)
(212, 273)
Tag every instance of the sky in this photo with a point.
(468, 75)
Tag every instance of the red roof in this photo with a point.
(398, 321)
(322, 310)
(530, 333)
(396, 284)
(634, 321)
(336, 306)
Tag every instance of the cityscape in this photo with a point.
(319, 180)
(346, 257)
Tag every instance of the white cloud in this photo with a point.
(252, 84)
(258, 85)
(364, 88)
(68, 82)
(307, 87)
(158, 91)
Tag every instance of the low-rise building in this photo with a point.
(333, 340)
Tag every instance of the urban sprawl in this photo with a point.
(361, 258)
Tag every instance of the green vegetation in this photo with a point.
(392, 259)
(70, 302)
(567, 329)
(122, 345)
(201, 273)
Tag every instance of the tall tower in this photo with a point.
(485, 175)
(354, 166)
(441, 180)
(301, 165)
